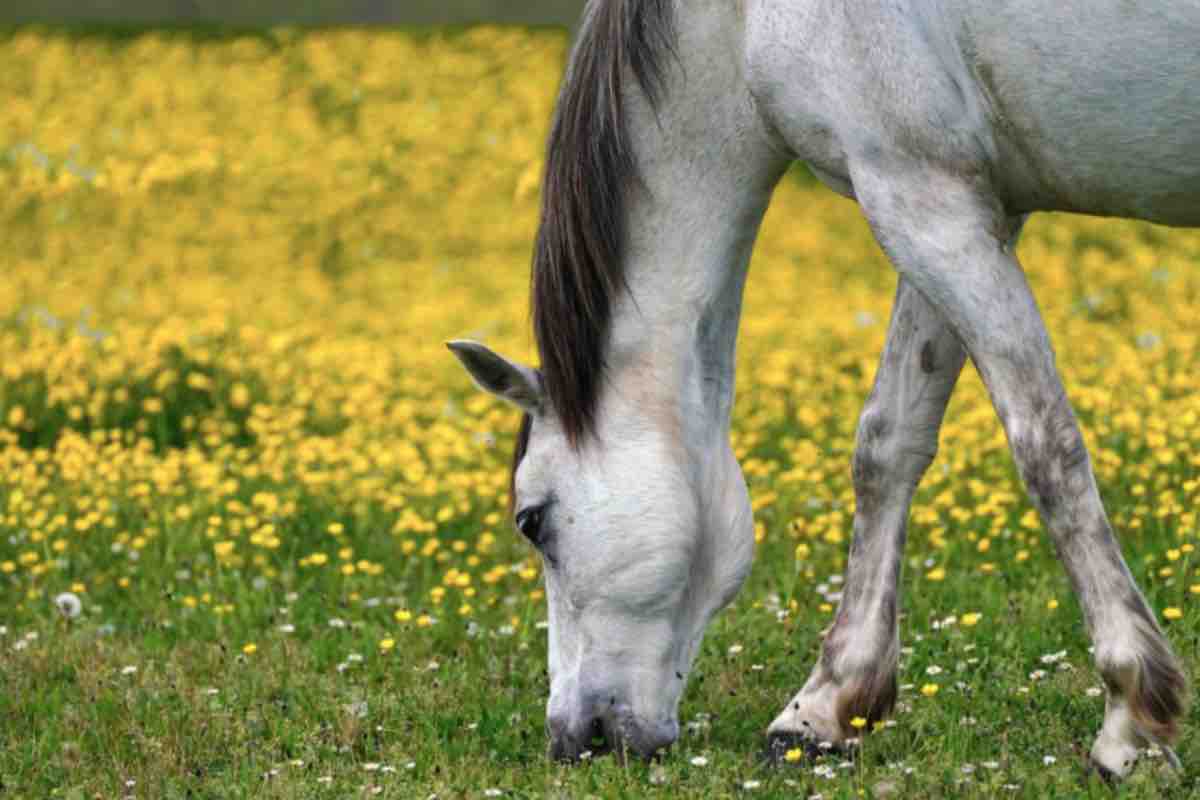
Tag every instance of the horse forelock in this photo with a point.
(577, 269)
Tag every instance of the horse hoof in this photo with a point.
(781, 743)
(1171, 757)
(1107, 775)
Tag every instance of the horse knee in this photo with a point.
(887, 453)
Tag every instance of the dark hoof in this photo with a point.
(780, 743)
(1106, 774)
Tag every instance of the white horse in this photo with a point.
(948, 122)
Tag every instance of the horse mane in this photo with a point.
(577, 270)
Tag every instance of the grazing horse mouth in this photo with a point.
(615, 734)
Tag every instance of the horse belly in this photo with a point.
(1096, 105)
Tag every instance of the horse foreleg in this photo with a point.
(944, 232)
(855, 675)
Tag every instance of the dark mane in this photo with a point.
(577, 270)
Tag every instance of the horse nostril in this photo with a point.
(598, 737)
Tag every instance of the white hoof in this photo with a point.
(1113, 756)
(808, 717)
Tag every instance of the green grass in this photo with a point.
(144, 701)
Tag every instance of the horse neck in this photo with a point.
(706, 169)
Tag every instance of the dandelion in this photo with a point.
(1172, 613)
(68, 604)
(793, 755)
(386, 645)
(858, 723)
(971, 619)
(250, 648)
(930, 689)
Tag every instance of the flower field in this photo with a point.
(230, 428)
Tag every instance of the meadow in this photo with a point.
(229, 428)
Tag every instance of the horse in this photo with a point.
(948, 123)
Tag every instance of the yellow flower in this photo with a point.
(403, 615)
(930, 689)
(239, 395)
(793, 755)
(386, 645)
(971, 618)
(1172, 613)
(858, 722)
(936, 574)
(1052, 604)
(250, 649)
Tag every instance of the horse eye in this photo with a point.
(529, 522)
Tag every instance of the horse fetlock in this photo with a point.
(1148, 692)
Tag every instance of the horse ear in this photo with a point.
(518, 384)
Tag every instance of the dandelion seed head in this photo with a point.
(68, 604)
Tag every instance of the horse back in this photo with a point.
(1094, 104)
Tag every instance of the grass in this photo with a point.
(228, 425)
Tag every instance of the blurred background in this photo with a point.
(293, 12)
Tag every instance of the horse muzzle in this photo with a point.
(611, 729)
